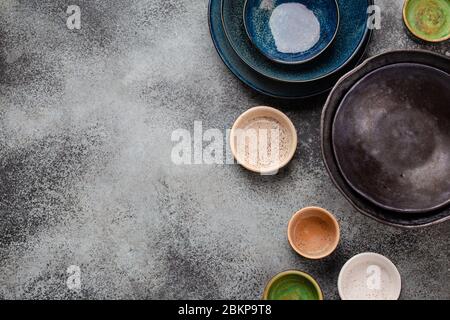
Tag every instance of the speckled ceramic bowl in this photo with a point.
(253, 137)
(292, 285)
(369, 276)
(313, 233)
(272, 27)
(428, 20)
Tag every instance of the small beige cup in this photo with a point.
(247, 151)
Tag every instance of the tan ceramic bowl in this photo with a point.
(246, 151)
(313, 233)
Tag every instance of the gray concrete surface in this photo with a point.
(86, 176)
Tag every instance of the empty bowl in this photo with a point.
(292, 285)
(263, 140)
(291, 32)
(369, 276)
(359, 202)
(313, 233)
(428, 20)
(391, 137)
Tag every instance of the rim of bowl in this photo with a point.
(338, 23)
(295, 272)
(292, 131)
(395, 271)
(344, 78)
(335, 223)
(410, 28)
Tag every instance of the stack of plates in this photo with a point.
(386, 138)
(252, 67)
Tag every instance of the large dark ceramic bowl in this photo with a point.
(344, 85)
(270, 24)
(391, 137)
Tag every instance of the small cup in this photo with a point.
(369, 276)
(263, 140)
(428, 20)
(292, 285)
(313, 233)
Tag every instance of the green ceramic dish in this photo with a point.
(428, 20)
(292, 285)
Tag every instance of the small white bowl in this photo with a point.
(369, 276)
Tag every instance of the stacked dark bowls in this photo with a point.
(386, 138)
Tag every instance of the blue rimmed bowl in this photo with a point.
(351, 38)
(291, 31)
(281, 89)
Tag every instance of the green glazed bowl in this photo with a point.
(292, 285)
(428, 20)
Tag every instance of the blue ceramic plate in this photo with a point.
(291, 31)
(259, 82)
(349, 39)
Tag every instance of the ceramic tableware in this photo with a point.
(313, 233)
(263, 140)
(292, 285)
(291, 32)
(260, 83)
(391, 137)
(349, 41)
(428, 20)
(364, 206)
(369, 276)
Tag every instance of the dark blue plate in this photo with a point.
(259, 82)
(349, 39)
(257, 17)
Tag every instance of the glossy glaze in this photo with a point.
(261, 83)
(258, 23)
(349, 40)
(428, 20)
(292, 285)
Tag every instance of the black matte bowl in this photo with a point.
(362, 204)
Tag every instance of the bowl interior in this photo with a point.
(369, 276)
(364, 206)
(263, 139)
(292, 285)
(391, 137)
(313, 233)
(429, 20)
(291, 31)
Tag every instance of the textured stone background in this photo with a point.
(86, 177)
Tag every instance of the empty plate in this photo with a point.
(391, 137)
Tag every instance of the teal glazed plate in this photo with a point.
(291, 31)
(349, 40)
(260, 83)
